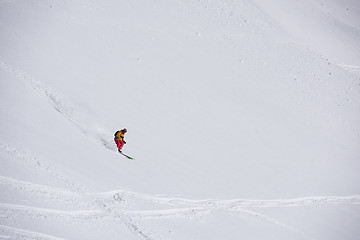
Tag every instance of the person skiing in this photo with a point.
(119, 139)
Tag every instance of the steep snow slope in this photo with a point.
(226, 103)
(330, 28)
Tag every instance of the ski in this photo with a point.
(131, 158)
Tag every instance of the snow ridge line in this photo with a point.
(16, 233)
(34, 188)
(190, 213)
(41, 192)
(216, 203)
(46, 212)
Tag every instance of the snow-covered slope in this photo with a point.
(243, 117)
(328, 28)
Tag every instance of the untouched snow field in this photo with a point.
(243, 118)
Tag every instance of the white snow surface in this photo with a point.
(243, 117)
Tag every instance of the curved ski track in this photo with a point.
(122, 206)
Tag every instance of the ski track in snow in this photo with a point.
(315, 200)
(119, 206)
(58, 102)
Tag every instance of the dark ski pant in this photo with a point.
(119, 144)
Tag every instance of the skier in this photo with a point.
(119, 139)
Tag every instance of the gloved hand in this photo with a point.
(124, 142)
